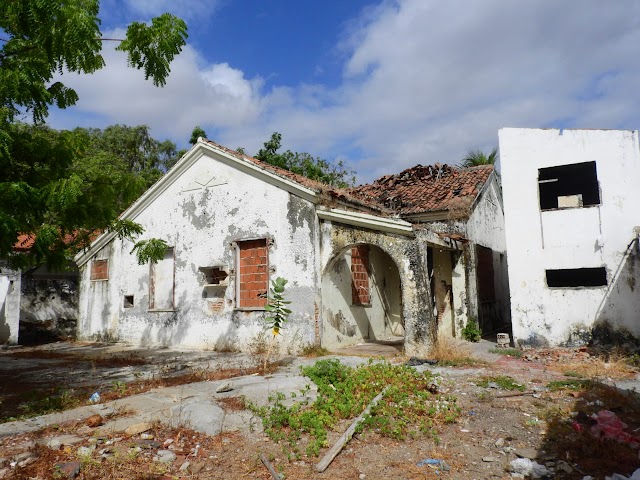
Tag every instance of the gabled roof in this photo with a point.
(430, 188)
(310, 190)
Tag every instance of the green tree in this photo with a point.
(197, 132)
(51, 186)
(315, 168)
(478, 157)
(60, 190)
(143, 154)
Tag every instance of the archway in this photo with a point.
(361, 298)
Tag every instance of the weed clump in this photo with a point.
(407, 409)
(502, 382)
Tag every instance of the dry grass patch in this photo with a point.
(451, 352)
(614, 365)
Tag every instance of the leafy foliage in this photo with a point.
(197, 132)
(150, 250)
(63, 187)
(276, 306)
(315, 168)
(43, 37)
(407, 409)
(478, 157)
(471, 331)
(59, 191)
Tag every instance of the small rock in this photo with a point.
(69, 469)
(168, 442)
(26, 461)
(165, 456)
(185, 466)
(196, 467)
(530, 453)
(147, 444)
(147, 436)
(564, 467)
(225, 387)
(83, 430)
(94, 421)
(489, 459)
(362, 476)
(23, 456)
(85, 451)
(499, 442)
(137, 428)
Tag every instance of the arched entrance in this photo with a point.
(361, 298)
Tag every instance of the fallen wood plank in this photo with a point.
(519, 394)
(346, 436)
(267, 464)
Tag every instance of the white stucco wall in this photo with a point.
(9, 304)
(201, 223)
(570, 238)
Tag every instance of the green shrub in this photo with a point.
(471, 332)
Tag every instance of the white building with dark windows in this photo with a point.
(571, 202)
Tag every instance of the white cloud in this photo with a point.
(424, 81)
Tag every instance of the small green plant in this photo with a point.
(471, 331)
(276, 306)
(119, 388)
(408, 408)
(558, 385)
(278, 311)
(511, 352)
(503, 382)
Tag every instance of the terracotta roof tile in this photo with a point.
(428, 188)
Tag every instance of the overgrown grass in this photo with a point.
(502, 382)
(558, 385)
(511, 352)
(408, 408)
(315, 351)
(451, 353)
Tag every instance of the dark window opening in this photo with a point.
(128, 301)
(568, 186)
(214, 275)
(577, 277)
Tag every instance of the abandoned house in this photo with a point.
(398, 259)
(572, 229)
(37, 304)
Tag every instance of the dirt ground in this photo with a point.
(553, 427)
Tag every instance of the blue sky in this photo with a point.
(380, 85)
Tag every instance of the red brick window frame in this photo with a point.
(253, 274)
(360, 291)
(100, 270)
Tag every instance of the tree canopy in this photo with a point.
(315, 168)
(62, 187)
(473, 158)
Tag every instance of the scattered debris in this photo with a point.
(415, 361)
(434, 463)
(267, 464)
(529, 468)
(94, 398)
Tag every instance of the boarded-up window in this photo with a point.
(568, 186)
(162, 283)
(577, 277)
(253, 274)
(360, 294)
(100, 270)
